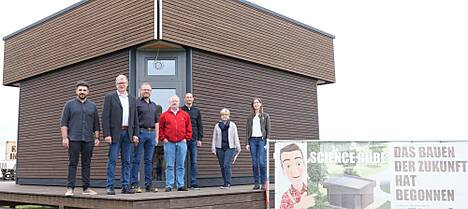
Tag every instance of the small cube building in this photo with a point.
(225, 52)
(352, 192)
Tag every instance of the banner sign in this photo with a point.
(371, 175)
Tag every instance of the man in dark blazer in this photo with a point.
(120, 129)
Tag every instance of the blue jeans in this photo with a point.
(225, 157)
(146, 144)
(174, 153)
(124, 146)
(258, 154)
(192, 150)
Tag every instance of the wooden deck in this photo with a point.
(211, 197)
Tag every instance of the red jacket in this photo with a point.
(175, 127)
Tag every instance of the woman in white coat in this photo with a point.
(225, 144)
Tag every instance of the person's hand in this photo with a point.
(238, 149)
(65, 143)
(307, 201)
(96, 142)
(199, 143)
(165, 141)
(184, 140)
(247, 147)
(213, 151)
(136, 140)
(108, 139)
(156, 141)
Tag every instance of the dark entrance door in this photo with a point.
(165, 71)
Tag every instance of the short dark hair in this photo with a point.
(290, 148)
(82, 83)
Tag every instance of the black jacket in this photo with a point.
(112, 117)
(265, 125)
(196, 119)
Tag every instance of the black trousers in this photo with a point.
(86, 150)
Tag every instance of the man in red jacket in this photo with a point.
(175, 129)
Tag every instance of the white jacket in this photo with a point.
(233, 137)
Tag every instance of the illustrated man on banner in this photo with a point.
(293, 166)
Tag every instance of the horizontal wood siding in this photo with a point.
(223, 82)
(40, 151)
(238, 30)
(93, 29)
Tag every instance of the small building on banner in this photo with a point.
(352, 192)
(225, 52)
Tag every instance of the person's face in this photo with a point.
(257, 104)
(189, 99)
(121, 83)
(82, 92)
(174, 102)
(224, 116)
(145, 91)
(293, 166)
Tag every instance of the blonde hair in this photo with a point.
(119, 77)
(225, 110)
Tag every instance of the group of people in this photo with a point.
(133, 127)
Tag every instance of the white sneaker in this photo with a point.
(89, 192)
(69, 192)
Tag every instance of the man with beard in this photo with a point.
(80, 133)
(197, 136)
(120, 129)
(148, 117)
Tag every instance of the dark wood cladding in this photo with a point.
(93, 29)
(40, 151)
(223, 82)
(239, 30)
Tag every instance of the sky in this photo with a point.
(400, 66)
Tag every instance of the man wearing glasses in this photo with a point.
(120, 128)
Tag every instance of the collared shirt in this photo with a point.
(256, 129)
(175, 112)
(81, 119)
(148, 115)
(287, 202)
(125, 107)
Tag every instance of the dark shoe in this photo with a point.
(182, 189)
(110, 191)
(127, 190)
(256, 187)
(168, 189)
(195, 187)
(149, 189)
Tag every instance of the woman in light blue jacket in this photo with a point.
(225, 144)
